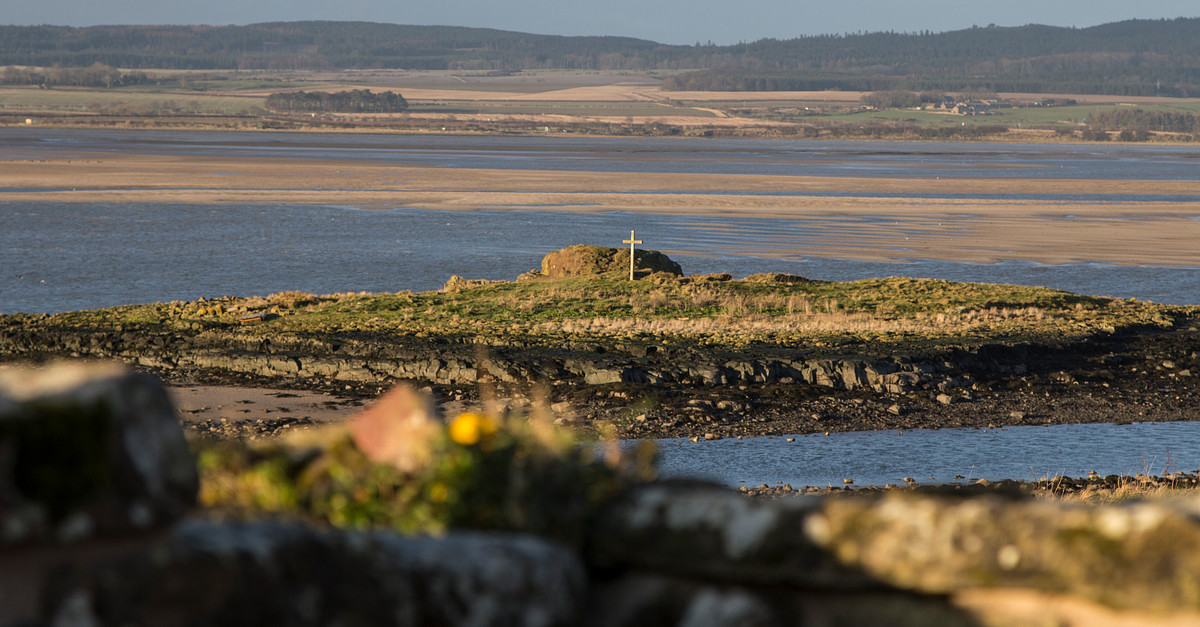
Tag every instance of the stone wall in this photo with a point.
(100, 536)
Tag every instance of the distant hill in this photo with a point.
(1136, 57)
(316, 45)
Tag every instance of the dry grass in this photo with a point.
(1127, 489)
(738, 317)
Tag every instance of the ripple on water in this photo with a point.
(938, 456)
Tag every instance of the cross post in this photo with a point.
(631, 241)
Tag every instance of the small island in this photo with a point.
(670, 355)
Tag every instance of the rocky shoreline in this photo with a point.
(649, 390)
(112, 516)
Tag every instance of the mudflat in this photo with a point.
(854, 223)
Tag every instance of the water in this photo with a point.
(66, 256)
(642, 154)
(938, 456)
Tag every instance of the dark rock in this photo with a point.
(88, 448)
(272, 573)
(776, 277)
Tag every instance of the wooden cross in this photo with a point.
(631, 241)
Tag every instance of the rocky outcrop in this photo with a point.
(458, 364)
(584, 260)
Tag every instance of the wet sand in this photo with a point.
(860, 226)
(198, 403)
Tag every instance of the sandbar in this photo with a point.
(862, 219)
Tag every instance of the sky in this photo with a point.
(664, 21)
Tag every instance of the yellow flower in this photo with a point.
(470, 428)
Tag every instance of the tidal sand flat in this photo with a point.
(979, 215)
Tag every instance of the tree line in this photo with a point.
(1134, 57)
(354, 101)
(95, 75)
(1126, 119)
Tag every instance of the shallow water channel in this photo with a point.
(936, 456)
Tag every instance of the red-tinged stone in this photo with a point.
(398, 429)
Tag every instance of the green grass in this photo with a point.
(875, 315)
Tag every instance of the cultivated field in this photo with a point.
(533, 101)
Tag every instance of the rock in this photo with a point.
(271, 573)
(1126, 556)
(602, 376)
(88, 448)
(712, 607)
(583, 260)
(398, 429)
(1017, 415)
(945, 399)
(456, 283)
(775, 277)
(894, 410)
(535, 273)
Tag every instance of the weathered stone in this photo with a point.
(288, 574)
(456, 283)
(88, 448)
(1141, 555)
(582, 260)
(775, 277)
(601, 376)
(716, 534)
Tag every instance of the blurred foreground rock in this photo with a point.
(88, 449)
(94, 476)
(272, 573)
